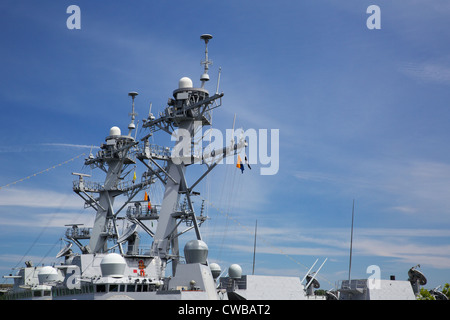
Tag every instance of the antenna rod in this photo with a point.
(133, 115)
(351, 243)
(254, 248)
(315, 274)
(234, 122)
(205, 77)
(218, 81)
(150, 109)
(309, 271)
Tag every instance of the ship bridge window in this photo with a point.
(131, 288)
(113, 288)
(37, 293)
(42, 293)
(100, 288)
(87, 288)
(142, 288)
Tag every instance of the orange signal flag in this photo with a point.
(146, 196)
(239, 164)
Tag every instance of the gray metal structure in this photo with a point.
(381, 289)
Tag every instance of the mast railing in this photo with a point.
(78, 233)
(124, 186)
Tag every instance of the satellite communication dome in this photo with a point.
(185, 82)
(113, 265)
(47, 274)
(196, 251)
(235, 271)
(215, 270)
(114, 131)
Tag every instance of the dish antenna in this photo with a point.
(331, 295)
(128, 232)
(438, 295)
(65, 251)
(312, 284)
(311, 279)
(416, 278)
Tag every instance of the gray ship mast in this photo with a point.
(114, 158)
(185, 115)
(188, 110)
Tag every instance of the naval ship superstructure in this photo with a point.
(108, 263)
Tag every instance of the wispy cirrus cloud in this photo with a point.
(436, 72)
(429, 246)
(416, 188)
(38, 198)
(71, 145)
(46, 220)
(39, 147)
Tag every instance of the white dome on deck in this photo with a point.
(47, 274)
(113, 265)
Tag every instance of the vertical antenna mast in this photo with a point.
(133, 114)
(206, 62)
(218, 81)
(351, 242)
(254, 248)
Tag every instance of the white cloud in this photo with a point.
(39, 147)
(393, 249)
(16, 260)
(417, 188)
(430, 246)
(403, 209)
(71, 145)
(47, 220)
(38, 198)
(436, 72)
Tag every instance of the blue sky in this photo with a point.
(363, 114)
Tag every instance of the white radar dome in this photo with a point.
(47, 274)
(235, 271)
(196, 251)
(185, 82)
(114, 131)
(215, 270)
(113, 265)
